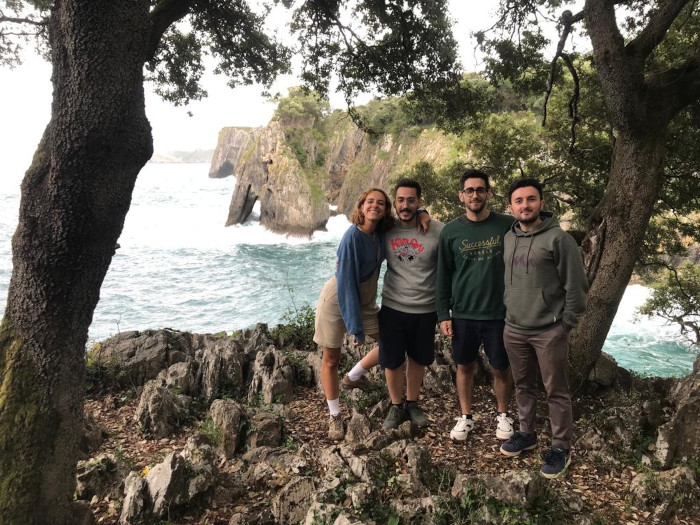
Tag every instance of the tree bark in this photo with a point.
(75, 197)
(633, 188)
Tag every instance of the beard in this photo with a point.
(476, 207)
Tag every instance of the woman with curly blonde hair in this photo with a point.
(348, 301)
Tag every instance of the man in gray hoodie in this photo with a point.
(545, 293)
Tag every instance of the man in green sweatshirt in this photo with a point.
(545, 293)
(469, 298)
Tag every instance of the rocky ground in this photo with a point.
(281, 468)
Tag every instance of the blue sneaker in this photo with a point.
(555, 463)
(518, 442)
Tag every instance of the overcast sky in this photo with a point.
(25, 93)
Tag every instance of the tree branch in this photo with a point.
(164, 14)
(567, 20)
(12, 20)
(659, 22)
(678, 87)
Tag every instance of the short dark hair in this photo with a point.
(524, 182)
(473, 174)
(407, 183)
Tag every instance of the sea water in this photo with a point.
(179, 267)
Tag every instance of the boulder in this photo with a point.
(201, 460)
(664, 493)
(604, 372)
(168, 485)
(161, 412)
(227, 414)
(678, 438)
(221, 370)
(137, 504)
(438, 379)
(292, 502)
(273, 377)
(265, 429)
(359, 427)
(180, 378)
(515, 486)
(136, 357)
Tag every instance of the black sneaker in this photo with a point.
(395, 417)
(416, 415)
(555, 463)
(518, 442)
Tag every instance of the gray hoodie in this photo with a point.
(545, 280)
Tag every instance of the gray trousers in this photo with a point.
(550, 351)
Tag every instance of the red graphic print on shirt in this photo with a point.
(406, 250)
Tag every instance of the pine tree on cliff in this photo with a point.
(77, 191)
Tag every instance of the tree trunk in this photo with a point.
(635, 181)
(74, 200)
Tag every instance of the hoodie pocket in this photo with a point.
(527, 308)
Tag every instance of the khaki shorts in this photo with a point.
(329, 326)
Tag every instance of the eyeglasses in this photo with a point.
(479, 191)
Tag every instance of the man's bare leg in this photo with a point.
(502, 387)
(465, 386)
(414, 379)
(395, 381)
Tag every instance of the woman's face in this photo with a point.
(374, 206)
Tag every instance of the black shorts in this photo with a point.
(402, 334)
(467, 337)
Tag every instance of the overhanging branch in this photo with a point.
(679, 87)
(164, 14)
(659, 22)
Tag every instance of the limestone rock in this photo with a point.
(666, 492)
(97, 477)
(273, 377)
(201, 460)
(273, 175)
(136, 500)
(359, 427)
(292, 502)
(438, 379)
(168, 484)
(265, 429)
(232, 149)
(136, 357)
(180, 377)
(515, 486)
(678, 438)
(604, 371)
(160, 412)
(415, 510)
(221, 370)
(227, 415)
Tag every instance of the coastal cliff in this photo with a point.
(301, 163)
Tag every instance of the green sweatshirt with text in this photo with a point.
(470, 268)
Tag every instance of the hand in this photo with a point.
(356, 342)
(446, 328)
(423, 221)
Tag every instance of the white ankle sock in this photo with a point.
(357, 372)
(334, 406)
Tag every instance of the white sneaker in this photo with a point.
(504, 426)
(462, 429)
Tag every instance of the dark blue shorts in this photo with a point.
(402, 334)
(467, 337)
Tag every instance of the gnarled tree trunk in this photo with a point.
(634, 184)
(74, 200)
